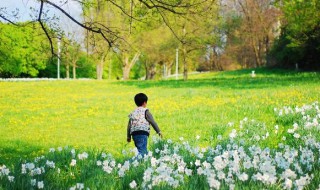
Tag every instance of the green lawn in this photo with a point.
(35, 116)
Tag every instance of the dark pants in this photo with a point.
(141, 141)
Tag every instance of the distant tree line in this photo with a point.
(138, 38)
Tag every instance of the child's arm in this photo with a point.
(128, 131)
(150, 119)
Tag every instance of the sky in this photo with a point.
(70, 6)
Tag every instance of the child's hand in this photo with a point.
(128, 139)
(160, 135)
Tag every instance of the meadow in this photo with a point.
(76, 131)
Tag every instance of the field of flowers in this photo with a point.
(221, 131)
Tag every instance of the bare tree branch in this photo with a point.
(124, 12)
(4, 18)
(161, 6)
(178, 5)
(168, 25)
(44, 29)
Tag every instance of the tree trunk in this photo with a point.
(152, 71)
(125, 72)
(256, 53)
(185, 66)
(100, 70)
(169, 68)
(110, 69)
(147, 70)
(67, 71)
(74, 74)
(100, 67)
(127, 65)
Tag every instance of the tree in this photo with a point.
(22, 53)
(70, 55)
(250, 26)
(194, 30)
(110, 34)
(299, 42)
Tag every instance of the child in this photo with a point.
(139, 124)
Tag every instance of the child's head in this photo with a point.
(140, 99)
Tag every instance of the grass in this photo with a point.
(35, 116)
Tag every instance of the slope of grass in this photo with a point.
(35, 116)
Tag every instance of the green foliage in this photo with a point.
(85, 67)
(22, 51)
(299, 42)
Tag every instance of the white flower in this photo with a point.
(153, 162)
(197, 163)
(243, 177)
(80, 186)
(295, 126)
(197, 137)
(213, 183)
(284, 138)
(99, 163)
(52, 150)
(73, 188)
(59, 149)
(40, 185)
(135, 163)
(133, 184)
(73, 162)
(289, 174)
(188, 171)
(291, 131)
(287, 184)
(11, 178)
(103, 155)
(206, 165)
(233, 133)
(30, 166)
(23, 169)
(83, 156)
(221, 175)
(303, 181)
(181, 138)
(200, 171)
(50, 164)
(296, 135)
(219, 137)
(33, 182)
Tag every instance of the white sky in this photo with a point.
(69, 6)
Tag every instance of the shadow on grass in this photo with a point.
(14, 151)
(229, 82)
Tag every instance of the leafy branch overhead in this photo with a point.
(109, 34)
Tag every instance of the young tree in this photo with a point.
(71, 51)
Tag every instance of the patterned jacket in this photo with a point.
(139, 122)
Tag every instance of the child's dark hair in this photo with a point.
(140, 98)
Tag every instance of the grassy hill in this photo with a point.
(93, 114)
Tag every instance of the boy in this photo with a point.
(139, 124)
